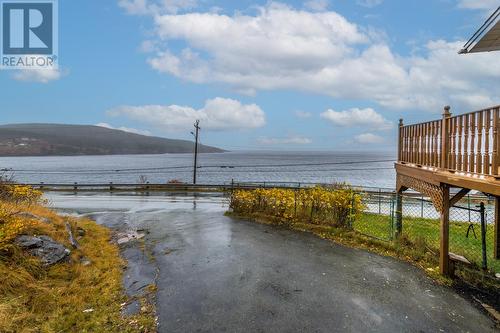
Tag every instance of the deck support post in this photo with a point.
(496, 234)
(398, 230)
(444, 261)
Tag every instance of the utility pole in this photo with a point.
(197, 129)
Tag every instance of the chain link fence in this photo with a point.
(471, 225)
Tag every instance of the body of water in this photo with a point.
(367, 169)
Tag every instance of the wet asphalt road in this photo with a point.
(219, 274)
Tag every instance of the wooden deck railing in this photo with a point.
(466, 143)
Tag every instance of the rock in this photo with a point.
(85, 261)
(80, 232)
(72, 239)
(497, 275)
(123, 240)
(125, 237)
(48, 250)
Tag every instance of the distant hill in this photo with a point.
(55, 139)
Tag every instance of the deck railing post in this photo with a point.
(400, 141)
(445, 138)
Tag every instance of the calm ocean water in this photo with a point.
(316, 167)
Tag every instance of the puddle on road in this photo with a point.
(100, 203)
(168, 223)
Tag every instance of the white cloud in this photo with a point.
(37, 75)
(303, 114)
(291, 140)
(317, 5)
(368, 138)
(136, 7)
(144, 7)
(478, 4)
(357, 117)
(369, 3)
(320, 52)
(125, 129)
(217, 114)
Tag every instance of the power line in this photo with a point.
(294, 164)
(287, 171)
(206, 172)
(199, 167)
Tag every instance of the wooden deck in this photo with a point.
(462, 150)
(456, 152)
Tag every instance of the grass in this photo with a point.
(67, 297)
(428, 230)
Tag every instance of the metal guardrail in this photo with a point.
(228, 186)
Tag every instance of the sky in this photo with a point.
(264, 75)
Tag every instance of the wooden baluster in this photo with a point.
(431, 144)
(472, 156)
(410, 144)
(459, 148)
(479, 155)
(494, 155)
(405, 144)
(422, 145)
(453, 141)
(419, 138)
(433, 141)
(436, 140)
(466, 144)
(412, 135)
(487, 124)
(417, 144)
(425, 144)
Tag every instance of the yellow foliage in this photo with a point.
(338, 205)
(34, 298)
(20, 194)
(15, 199)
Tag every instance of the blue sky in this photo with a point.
(304, 75)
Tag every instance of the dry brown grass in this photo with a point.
(38, 299)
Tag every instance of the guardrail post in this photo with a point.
(379, 201)
(445, 139)
(111, 186)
